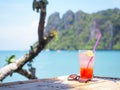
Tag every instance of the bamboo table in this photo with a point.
(61, 83)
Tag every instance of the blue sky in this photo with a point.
(18, 22)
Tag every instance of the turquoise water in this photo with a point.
(58, 63)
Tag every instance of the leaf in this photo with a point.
(54, 33)
(11, 59)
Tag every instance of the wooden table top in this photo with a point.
(61, 83)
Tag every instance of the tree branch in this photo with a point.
(18, 64)
(29, 75)
(41, 26)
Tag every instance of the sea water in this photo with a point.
(50, 64)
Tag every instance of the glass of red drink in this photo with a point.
(86, 59)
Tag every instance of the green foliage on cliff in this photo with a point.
(79, 30)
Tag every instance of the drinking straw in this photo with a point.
(96, 44)
(98, 39)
